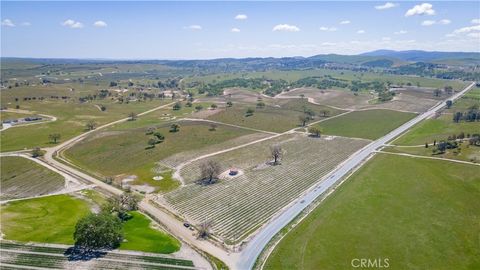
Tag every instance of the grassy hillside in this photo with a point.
(122, 150)
(271, 118)
(72, 118)
(419, 214)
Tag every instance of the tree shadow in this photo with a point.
(77, 253)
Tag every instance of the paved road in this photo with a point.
(171, 223)
(255, 246)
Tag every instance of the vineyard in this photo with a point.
(20, 255)
(239, 205)
(16, 178)
(178, 158)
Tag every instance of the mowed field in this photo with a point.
(49, 219)
(122, 149)
(52, 219)
(139, 235)
(276, 118)
(369, 124)
(21, 178)
(418, 214)
(237, 206)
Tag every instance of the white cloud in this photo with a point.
(386, 39)
(467, 29)
(423, 9)
(475, 21)
(241, 17)
(345, 22)
(72, 24)
(100, 24)
(235, 30)
(286, 28)
(8, 22)
(428, 23)
(26, 24)
(444, 21)
(441, 22)
(193, 27)
(361, 32)
(328, 29)
(401, 32)
(386, 6)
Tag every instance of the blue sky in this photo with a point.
(200, 30)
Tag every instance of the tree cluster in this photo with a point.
(471, 115)
(98, 231)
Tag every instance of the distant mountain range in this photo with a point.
(374, 59)
(424, 56)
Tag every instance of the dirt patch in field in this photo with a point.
(411, 99)
(205, 113)
(242, 95)
(336, 98)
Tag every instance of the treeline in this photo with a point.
(42, 98)
(454, 141)
(321, 83)
(471, 115)
(268, 86)
(216, 88)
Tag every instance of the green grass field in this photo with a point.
(122, 151)
(270, 118)
(52, 220)
(72, 118)
(464, 152)
(12, 115)
(20, 178)
(139, 235)
(47, 220)
(419, 214)
(436, 129)
(472, 97)
(370, 124)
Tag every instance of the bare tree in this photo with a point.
(276, 152)
(91, 125)
(204, 229)
(209, 172)
(132, 116)
(303, 119)
(325, 113)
